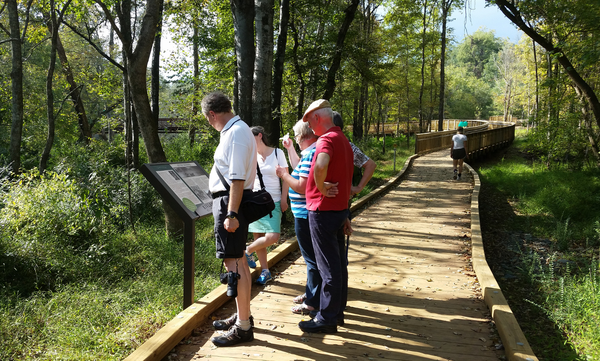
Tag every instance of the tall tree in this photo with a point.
(53, 25)
(446, 6)
(243, 23)
(350, 11)
(16, 76)
(263, 67)
(284, 17)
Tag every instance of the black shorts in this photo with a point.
(229, 244)
(459, 153)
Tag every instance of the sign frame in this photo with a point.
(189, 181)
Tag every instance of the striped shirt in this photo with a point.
(297, 200)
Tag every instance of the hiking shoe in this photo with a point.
(458, 177)
(228, 322)
(265, 276)
(250, 260)
(455, 174)
(234, 336)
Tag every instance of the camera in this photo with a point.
(231, 280)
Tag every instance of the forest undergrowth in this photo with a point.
(541, 233)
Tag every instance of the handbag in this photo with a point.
(255, 204)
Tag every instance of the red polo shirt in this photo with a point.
(340, 169)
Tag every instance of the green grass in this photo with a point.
(561, 205)
(100, 320)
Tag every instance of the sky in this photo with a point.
(489, 17)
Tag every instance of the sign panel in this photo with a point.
(184, 185)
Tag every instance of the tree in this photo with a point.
(339, 47)
(263, 67)
(53, 25)
(558, 20)
(284, 17)
(243, 22)
(16, 76)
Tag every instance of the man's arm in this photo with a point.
(235, 198)
(369, 169)
(321, 166)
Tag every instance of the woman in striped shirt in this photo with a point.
(306, 140)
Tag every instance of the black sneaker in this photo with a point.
(228, 322)
(234, 336)
(314, 326)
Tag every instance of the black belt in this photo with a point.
(226, 193)
(219, 194)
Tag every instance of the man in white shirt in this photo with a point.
(235, 160)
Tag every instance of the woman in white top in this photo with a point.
(267, 230)
(458, 152)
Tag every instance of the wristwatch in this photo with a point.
(231, 215)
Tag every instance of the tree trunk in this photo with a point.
(339, 47)
(284, 17)
(196, 55)
(298, 68)
(243, 23)
(424, 40)
(137, 64)
(263, 66)
(446, 4)
(49, 90)
(155, 81)
(75, 93)
(356, 126)
(16, 76)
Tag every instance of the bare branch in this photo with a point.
(111, 19)
(95, 46)
(29, 2)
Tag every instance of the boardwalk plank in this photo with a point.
(412, 294)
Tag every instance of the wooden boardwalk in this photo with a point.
(412, 292)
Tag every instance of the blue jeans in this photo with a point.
(327, 233)
(313, 278)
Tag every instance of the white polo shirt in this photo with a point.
(235, 156)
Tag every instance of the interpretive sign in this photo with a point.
(184, 185)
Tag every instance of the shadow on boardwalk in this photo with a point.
(412, 293)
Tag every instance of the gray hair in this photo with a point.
(325, 113)
(302, 130)
(216, 102)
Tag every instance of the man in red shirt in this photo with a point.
(327, 194)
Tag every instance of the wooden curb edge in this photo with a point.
(165, 339)
(515, 344)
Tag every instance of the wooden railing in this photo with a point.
(481, 138)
